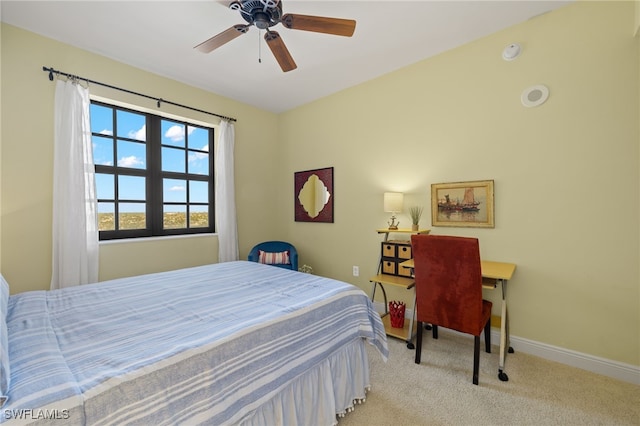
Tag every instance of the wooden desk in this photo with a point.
(494, 273)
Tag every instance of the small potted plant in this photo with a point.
(306, 269)
(416, 213)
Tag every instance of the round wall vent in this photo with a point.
(535, 95)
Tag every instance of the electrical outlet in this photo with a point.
(356, 271)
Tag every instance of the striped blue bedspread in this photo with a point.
(211, 345)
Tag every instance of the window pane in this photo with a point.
(174, 216)
(102, 151)
(174, 190)
(132, 216)
(198, 217)
(198, 192)
(198, 163)
(161, 173)
(132, 155)
(198, 138)
(131, 125)
(131, 188)
(101, 119)
(173, 160)
(106, 215)
(105, 189)
(172, 133)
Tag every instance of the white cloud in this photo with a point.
(106, 132)
(177, 188)
(195, 156)
(140, 134)
(130, 161)
(176, 133)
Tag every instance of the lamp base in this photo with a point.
(393, 225)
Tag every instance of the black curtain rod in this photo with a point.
(52, 71)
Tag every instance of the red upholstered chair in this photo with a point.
(449, 290)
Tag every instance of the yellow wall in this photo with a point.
(566, 173)
(637, 17)
(27, 161)
(0, 146)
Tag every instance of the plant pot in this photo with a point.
(415, 227)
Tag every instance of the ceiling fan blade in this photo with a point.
(224, 37)
(320, 24)
(280, 51)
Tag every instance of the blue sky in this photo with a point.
(133, 154)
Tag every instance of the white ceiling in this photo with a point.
(159, 36)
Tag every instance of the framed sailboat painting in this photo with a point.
(464, 204)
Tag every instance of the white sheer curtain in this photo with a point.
(75, 226)
(226, 222)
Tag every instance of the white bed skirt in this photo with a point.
(320, 395)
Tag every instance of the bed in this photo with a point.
(231, 343)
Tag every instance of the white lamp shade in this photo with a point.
(393, 202)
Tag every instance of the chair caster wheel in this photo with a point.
(510, 350)
(503, 376)
(410, 345)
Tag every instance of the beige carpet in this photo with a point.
(439, 390)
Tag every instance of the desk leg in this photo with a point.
(410, 344)
(373, 290)
(384, 295)
(504, 334)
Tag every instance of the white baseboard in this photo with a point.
(617, 370)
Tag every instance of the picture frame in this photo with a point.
(463, 204)
(314, 195)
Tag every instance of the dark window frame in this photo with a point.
(154, 203)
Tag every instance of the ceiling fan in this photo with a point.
(264, 14)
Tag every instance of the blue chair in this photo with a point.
(276, 247)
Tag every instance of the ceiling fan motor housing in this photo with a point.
(261, 13)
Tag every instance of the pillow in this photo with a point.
(4, 341)
(274, 258)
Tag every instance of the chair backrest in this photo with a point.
(276, 247)
(448, 282)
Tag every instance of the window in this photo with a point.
(154, 176)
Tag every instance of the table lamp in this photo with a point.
(393, 204)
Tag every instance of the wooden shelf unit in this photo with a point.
(387, 231)
(394, 253)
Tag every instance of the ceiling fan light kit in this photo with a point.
(264, 14)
